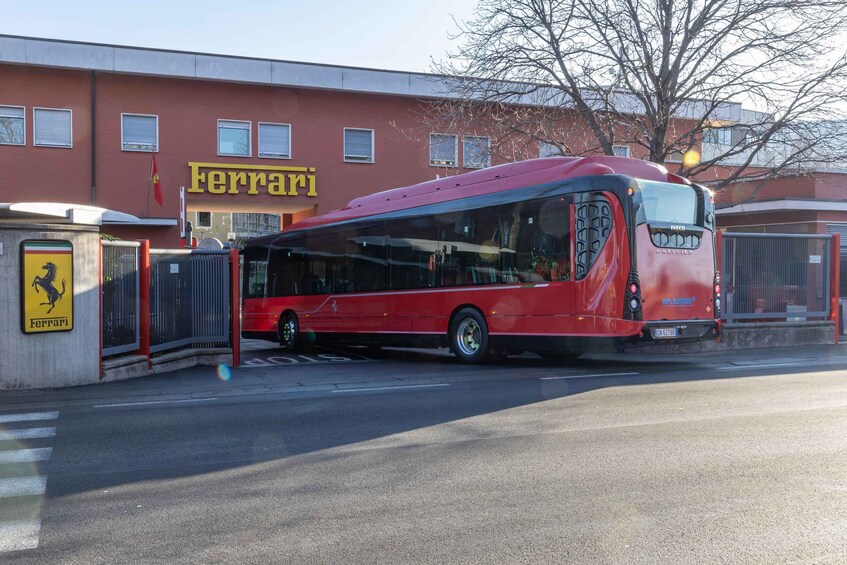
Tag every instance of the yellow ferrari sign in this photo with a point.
(47, 286)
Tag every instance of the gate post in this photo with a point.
(100, 298)
(144, 300)
(834, 282)
(235, 306)
(718, 269)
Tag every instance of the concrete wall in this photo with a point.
(51, 359)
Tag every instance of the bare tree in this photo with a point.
(586, 75)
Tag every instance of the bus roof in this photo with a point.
(492, 179)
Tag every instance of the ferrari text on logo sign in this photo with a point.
(217, 178)
(47, 296)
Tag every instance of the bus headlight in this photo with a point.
(717, 303)
(633, 304)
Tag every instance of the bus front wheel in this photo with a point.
(469, 336)
(289, 331)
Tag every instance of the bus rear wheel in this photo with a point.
(289, 332)
(469, 336)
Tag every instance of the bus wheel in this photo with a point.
(469, 336)
(289, 331)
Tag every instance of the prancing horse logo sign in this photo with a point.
(47, 303)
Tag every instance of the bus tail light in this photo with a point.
(717, 297)
(632, 302)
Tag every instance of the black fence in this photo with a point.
(189, 298)
(775, 277)
(121, 330)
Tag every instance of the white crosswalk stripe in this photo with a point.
(22, 478)
(30, 417)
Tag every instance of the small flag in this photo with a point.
(157, 188)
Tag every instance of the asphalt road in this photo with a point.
(412, 458)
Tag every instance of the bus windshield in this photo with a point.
(667, 202)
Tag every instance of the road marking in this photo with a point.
(587, 376)
(23, 533)
(28, 417)
(23, 486)
(399, 387)
(25, 455)
(28, 433)
(762, 366)
(154, 402)
(18, 535)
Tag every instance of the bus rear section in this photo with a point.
(676, 293)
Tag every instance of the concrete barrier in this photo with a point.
(59, 359)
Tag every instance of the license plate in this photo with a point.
(665, 333)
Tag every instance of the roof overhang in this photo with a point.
(56, 212)
(787, 205)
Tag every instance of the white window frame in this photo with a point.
(22, 117)
(156, 144)
(347, 159)
(487, 155)
(628, 153)
(259, 141)
(455, 151)
(35, 127)
(249, 138)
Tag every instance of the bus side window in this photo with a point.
(288, 268)
(255, 272)
(542, 241)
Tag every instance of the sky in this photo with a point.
(401, 35)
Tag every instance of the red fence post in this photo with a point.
(835, 282)
(235, 305)
(144, 299)
(718, 265)
(100, 298)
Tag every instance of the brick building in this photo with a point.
(271, 141)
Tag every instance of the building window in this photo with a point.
(204, 219)
(234, 138)
(12, 130)
(476, 152)
(548, 150)
(275, 140)
(359, 145)
(52, 127)
(621, 150)
(139, 132)
(717, 136)
(442, 150)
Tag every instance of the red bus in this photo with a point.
(559, 256)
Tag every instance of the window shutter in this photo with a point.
(274, 140)
(53, 127)
(358, 144)
(139, 132)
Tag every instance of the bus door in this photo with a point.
(536, 254)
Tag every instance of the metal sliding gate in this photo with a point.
(189, 298)
(121, 332)
(775, 276)
(186, 301)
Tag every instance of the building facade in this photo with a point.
(259, 144)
